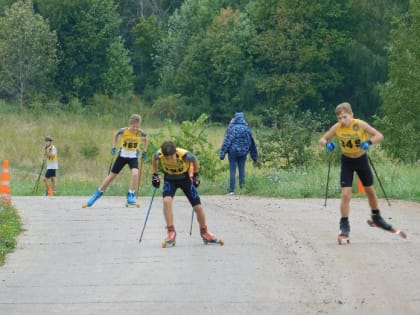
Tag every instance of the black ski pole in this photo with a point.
(139, 179)
(191, 174)
(192, 220)
(147, 215)
(35, 189)
(110, 164)
(328, 179)
(377, 177)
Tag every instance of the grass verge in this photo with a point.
(10, 227)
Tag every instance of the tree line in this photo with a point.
(186, 57)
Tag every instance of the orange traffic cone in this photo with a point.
(49, 191)
(360, 187)
(5, 184)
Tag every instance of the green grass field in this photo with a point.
(84, 144)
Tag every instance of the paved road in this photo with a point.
(280, 257)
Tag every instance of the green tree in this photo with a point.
(222, 52)
(86, 29)
(401, 93)
(204, 56)
(118, 77)
(147, 36)
(187, 23)
(365, 61)
(4, 4)
(297, 51)
(27, 52)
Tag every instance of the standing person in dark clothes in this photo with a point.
(237, 143)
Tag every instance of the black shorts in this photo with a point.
(170, 187)
(359, 165)
(50, 173)
(120, 162)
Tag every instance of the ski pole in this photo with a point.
(35, 189)
(328, 179)
(380, 183)
(192, 219)
(139, 179)
(110, 164)
(147, 215)
(191, 173)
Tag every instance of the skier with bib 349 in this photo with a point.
(131, 139)
(355, 137)
(175, 163)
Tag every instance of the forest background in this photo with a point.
(193, 63)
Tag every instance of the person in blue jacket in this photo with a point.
(237, 143)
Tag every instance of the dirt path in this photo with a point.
(280, 257)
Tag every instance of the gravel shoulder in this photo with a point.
(280, 256)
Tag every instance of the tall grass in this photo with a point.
(84, 142)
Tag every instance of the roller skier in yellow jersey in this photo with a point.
(175, 163)
(132, 139)
(355, 137)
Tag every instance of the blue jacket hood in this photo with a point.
(238, 118)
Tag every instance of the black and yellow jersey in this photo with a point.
(130, 142)
(350, 137)
(177, 166)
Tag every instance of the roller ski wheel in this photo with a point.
(392, 230)
(343, 239)
(166, 244)
(170, 239)
(215, 241)
(135, 205)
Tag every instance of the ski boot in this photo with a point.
(169, 241)
(378, 221)
(209, 238)
(343, 237)
(131, 200)
(98, 194)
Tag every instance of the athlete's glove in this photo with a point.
(365, 145)
(113, 150)
(155, 180)
(222, 155)
(196, 180)
(144, 156)
(330, 146)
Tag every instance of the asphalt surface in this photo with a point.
(280, 257)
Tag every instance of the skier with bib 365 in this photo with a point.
(132, 137)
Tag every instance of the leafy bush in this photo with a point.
(192, 137)
(288, 141)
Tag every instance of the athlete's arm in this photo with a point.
(375, 135)
(328, 135)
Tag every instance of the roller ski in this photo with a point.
(378, 222)
(98, 194)
(169, 240)
(343, 237)
(131, 201)
(209, 238)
